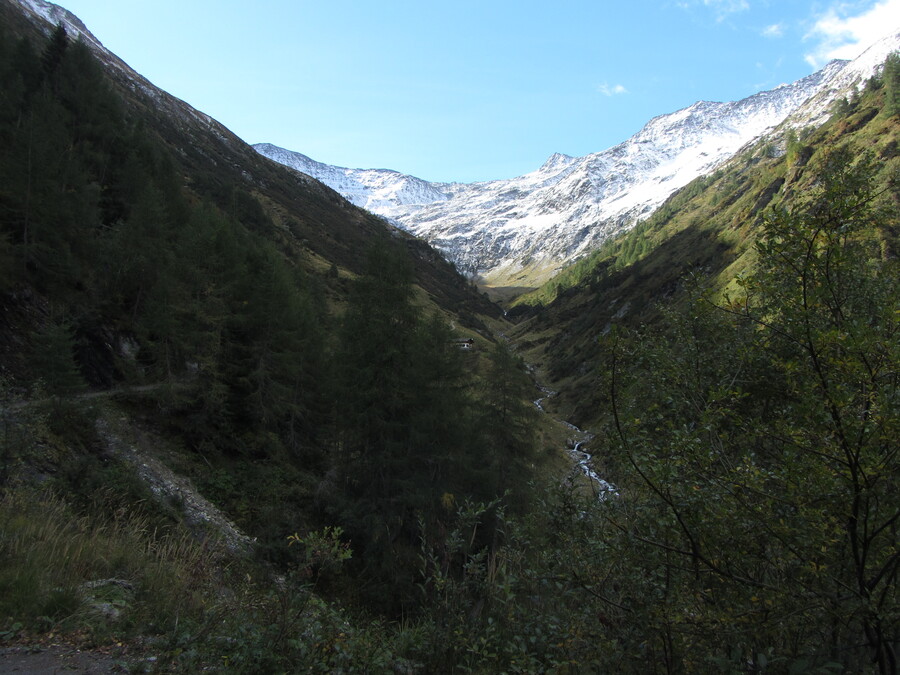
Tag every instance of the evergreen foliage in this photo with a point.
(53, 361)
(291, 418)
(891, 77)
(409, 440)
(507, 418)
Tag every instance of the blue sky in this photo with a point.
(470, 90)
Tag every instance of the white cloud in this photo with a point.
(776, 30)
(721, 8)
(728, 6)
(611, 90)
(725, 8)
(840, 34)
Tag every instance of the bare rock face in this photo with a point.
(519, 232)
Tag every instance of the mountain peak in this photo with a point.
(519, 232)
(557, 161)
(55, 15)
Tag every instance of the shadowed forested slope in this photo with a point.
(289, 354)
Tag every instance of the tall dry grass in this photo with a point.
(49, 554)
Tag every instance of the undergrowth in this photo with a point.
(53, 561)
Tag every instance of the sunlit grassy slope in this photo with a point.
(705, 231)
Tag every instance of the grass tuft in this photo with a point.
(57, 568)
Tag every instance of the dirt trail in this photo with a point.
(55, 658)
(125, 440)
(138, 448)
(144, 451)
(84, 396)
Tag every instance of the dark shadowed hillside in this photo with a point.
(315, 223)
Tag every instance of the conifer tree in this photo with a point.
(55, 51)
(53, 360)
(891, 76)
(507, 419)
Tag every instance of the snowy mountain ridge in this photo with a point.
(371, 189)
(520, 231)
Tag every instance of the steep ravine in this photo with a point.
(576, 448)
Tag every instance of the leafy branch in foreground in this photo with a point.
(756, 445)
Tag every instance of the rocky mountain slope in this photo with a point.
(519, 232)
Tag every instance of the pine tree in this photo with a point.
(53, 360)
(891, 76)
(54, 52)
(507, 419)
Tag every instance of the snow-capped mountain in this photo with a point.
(376, 190)
(519, 232)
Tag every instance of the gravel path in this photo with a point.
(52, 659)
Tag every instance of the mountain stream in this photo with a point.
(601, 488)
